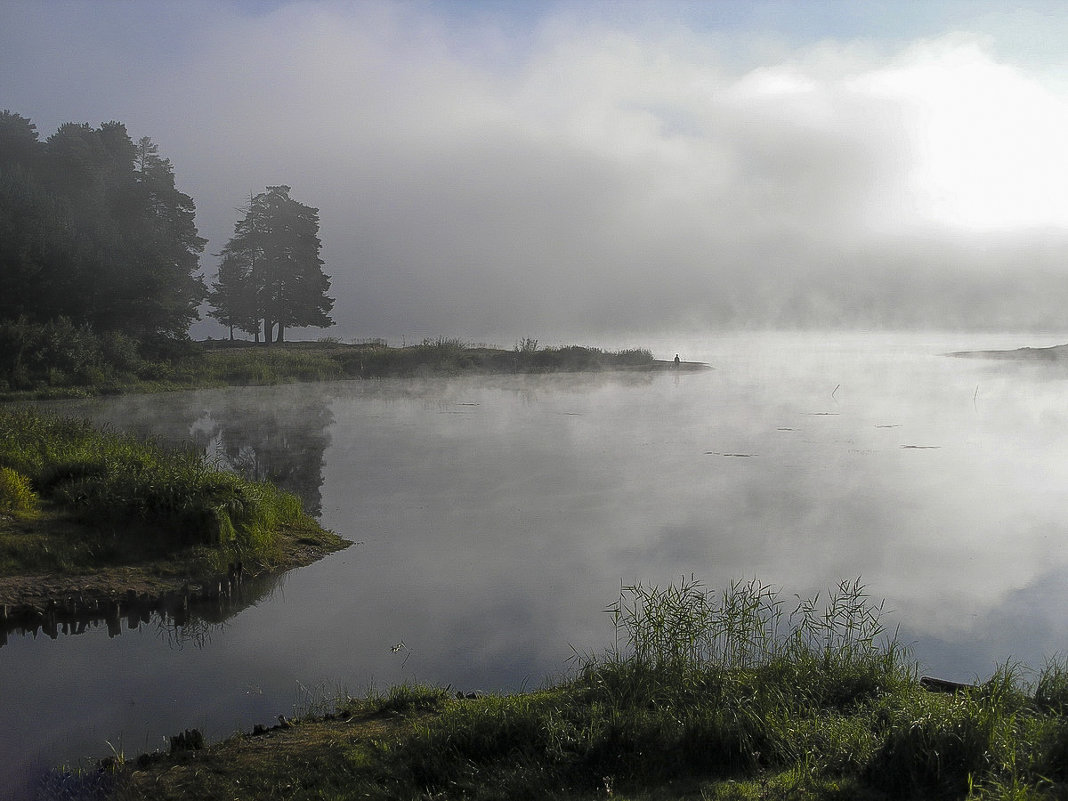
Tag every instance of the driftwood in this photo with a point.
(942, 686)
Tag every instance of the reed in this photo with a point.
(695, 683)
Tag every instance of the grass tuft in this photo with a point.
(16, 493)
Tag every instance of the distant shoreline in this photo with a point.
(219, 363)
(1054, 353)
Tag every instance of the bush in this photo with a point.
(62, 354)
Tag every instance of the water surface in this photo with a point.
(496, 517)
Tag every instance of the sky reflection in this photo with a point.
(496, 518)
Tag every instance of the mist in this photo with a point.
(493, 171)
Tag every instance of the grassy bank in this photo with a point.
(58, 360)
(703, 696)
(243, 363)
(74, 499)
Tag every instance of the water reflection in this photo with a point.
(180, 617)
(498, 517)
(278, 434)
(283, 444)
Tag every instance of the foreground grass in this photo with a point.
(702, 697)
(75, 498)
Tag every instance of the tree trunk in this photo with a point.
(281, 333)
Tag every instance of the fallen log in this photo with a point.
(935, 685)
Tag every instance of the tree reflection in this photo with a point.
(282, 444)
(186, 616)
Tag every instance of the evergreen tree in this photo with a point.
(168, 249)
(233, 297)
(271, 271)
(93, 229)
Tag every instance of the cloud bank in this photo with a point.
(494, 176)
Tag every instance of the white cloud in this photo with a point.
(985, 137)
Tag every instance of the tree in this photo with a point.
(92, 228)
(168, 249)
(232, 297)
(19, 147)
(271, 276)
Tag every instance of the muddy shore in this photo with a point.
(54, 604)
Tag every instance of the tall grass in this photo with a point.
(812, 699)
(16, 494)
(695, 683)
(701, 694)
(168, 496)
(271, 365)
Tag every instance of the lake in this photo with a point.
(495, 519)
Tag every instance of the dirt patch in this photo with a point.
(267, 762)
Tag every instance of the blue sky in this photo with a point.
(497, 170)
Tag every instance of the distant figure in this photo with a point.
(677, 361)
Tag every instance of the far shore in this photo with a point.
(220, 363)
(1054, 353)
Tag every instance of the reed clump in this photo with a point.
(139, 495)
(736, 695)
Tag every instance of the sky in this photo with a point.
(499, 170)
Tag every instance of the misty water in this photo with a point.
(495, 519)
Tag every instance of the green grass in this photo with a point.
(89, 368)
(128, 497)
(247, 364)
(702, 695)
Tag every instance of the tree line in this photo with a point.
(95, 234)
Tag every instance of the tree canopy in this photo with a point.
(94, 230)
(270, 275)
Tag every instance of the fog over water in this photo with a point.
(499, 170)
(807, 196)
(496, 517)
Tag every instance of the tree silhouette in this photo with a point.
(93, 229)
(270, 275)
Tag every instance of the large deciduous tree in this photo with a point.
(270, 275)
